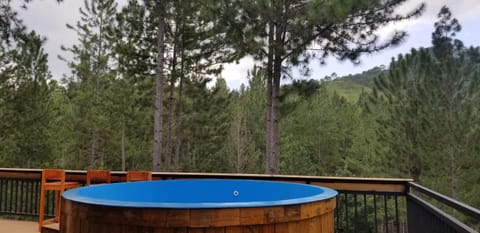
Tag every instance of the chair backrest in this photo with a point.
(53, 175)
(138, 175)
(98, 176)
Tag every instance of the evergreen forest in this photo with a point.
(145, 93)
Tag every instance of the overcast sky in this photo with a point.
(49, 18)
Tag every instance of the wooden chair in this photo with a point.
(138, 175)
(98, 176)
(53, 179)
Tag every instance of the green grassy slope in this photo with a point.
(349, 90)
(350, 87)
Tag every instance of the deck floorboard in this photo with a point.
(17, 226)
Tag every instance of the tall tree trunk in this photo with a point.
(91, 163)
(158, 124)
(453, 175)
(123, 146)
(178, 129)
(274, 68)
(171, 109)
(238, 138)
(277, 72)
(269, 73)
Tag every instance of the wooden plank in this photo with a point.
(178, 218)
(51, 228)
(234, 229)
(292, 212)
(215, 230)
(227, 217)
(393, 188)
(252, 216)
(274, 214)
(340, 183)
(268, 228)
(154, 218)
(315, 209)
(327, 223)
(202, 218)
(282, 228)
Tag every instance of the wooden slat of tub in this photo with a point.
(292, 212)
(177, 218)
(310, 210)
(274, 214)
(153, 217)
(282, 227)
(269, 228)
(252, 216)
(251, 220)
(314, 225)
(234, 229)
(215, 230)
(202, 217)
(196, 230)
(303, 225)
(327, 222)
(227, 217)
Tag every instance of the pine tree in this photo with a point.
(450, 90)
(283, 34)
(430, 95)
(402, 91)
(246, 134)
(133, 43)
(24, 103)
(91, 77)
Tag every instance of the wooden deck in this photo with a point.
(17, 226)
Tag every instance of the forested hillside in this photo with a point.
(418, 118)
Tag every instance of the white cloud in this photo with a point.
(236, 74)
(48, 18)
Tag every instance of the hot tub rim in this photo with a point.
(326, 194)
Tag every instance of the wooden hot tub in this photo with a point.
(199, 206)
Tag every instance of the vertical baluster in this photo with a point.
(16, 196)
(52, 203)
(26, 193)
(355, 219)
(386, 212)
(365, 209)
(2, 199)
(19, 200)
(30, 198)
(375, 211)
(23, 197)
(346, 213)
(36, 193)
(10, 194)
(337, 215)
(396, 213)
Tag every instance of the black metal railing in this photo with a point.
(429, 211)
(370, 212)
(21, 197)
(363, 204)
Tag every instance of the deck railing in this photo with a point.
(363, 204)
